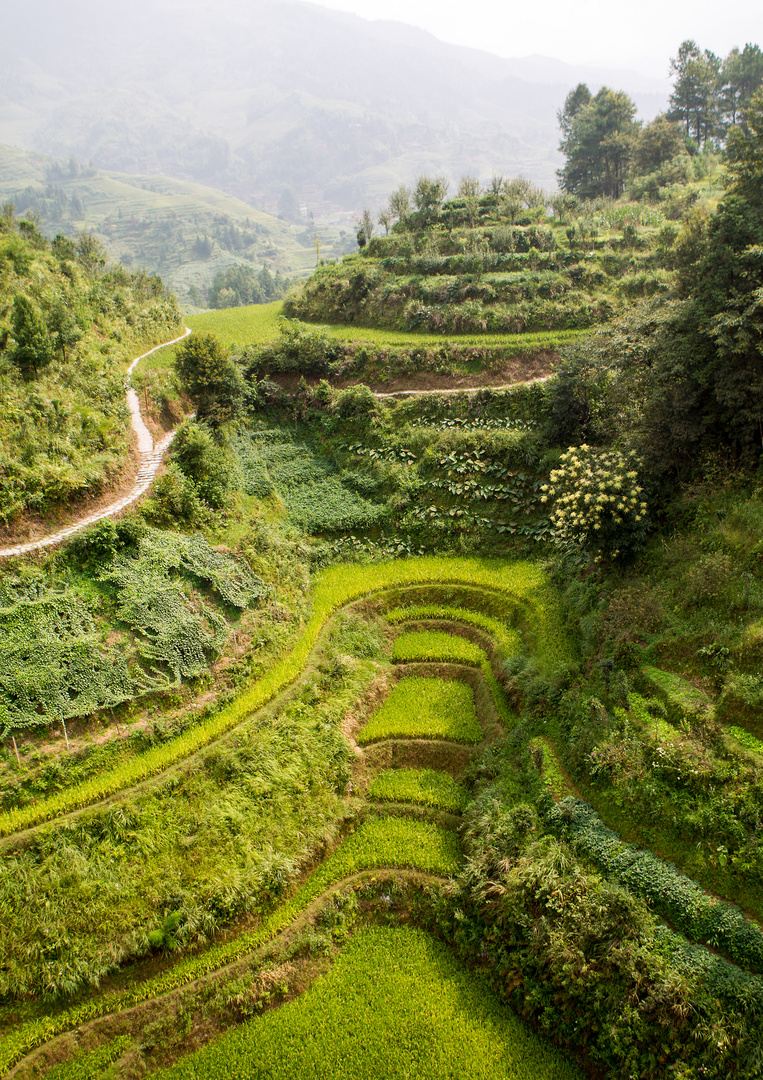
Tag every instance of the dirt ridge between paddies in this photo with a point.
(335, 587)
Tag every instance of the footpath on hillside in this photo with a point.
(150, 458)
(151, 455)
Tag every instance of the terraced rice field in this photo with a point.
(421, 708)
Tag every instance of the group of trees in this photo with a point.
(682, 374)
(710, 96)
(241, 284)
(604, 144)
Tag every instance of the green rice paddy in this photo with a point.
(395, 1005)
(421, 708)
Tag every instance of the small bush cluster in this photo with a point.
(598, 503)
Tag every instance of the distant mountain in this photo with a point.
(283, 104)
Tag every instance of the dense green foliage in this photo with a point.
(54, 662)
(624, 671)
(67, 325)
(240, 285)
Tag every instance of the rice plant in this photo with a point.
(425, 787)
(396, 1004)
(420, 708)
(434, 645)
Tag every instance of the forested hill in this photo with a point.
(68, 324)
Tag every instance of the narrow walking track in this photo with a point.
(462, 389)
(150, 459)
(151, 455)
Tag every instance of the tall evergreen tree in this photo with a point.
(694, 101)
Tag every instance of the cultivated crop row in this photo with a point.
(421, 708)
(335, 587)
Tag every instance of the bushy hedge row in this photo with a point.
(670, 893)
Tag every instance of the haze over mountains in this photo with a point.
(279, 103)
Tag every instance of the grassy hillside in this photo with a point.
(180, 229)
(508, 260)
(483, 663)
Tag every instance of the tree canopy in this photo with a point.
(212, 380)
(598, 134)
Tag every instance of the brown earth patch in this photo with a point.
(519, 369)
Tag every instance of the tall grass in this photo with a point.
(257, 324)
(395, 1005)
(432, 645)
(334, 587)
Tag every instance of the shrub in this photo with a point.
(598, 503)
(212, 467)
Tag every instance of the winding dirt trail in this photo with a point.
(150, 456)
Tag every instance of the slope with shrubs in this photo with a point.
(496, 262)
(68, 323)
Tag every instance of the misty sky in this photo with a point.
(643, 35)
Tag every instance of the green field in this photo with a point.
(425, 645)
(425, 709)
(395, 1005)
(425, 787)
(257, 324)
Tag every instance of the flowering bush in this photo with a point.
(598, 502)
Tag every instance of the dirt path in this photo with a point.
(461, 389)
(150, 454)
(150, 457)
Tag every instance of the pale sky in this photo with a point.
(642, 36)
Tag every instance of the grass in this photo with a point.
(425, 709)
(335, 586)
(745, 739)
(425, 787)
(679, 694)
(436, 645)
(376, 843)
(551, 770)
(92, 1065)
(396, 1004)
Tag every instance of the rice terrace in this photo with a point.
(402, 715)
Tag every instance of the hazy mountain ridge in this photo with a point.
(260, 97)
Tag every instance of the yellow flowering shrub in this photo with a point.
(597, 502)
